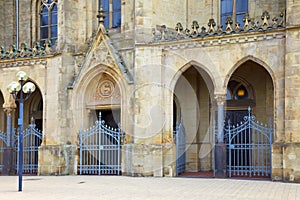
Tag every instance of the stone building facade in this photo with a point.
(152, 65)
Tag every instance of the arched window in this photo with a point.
(112, 10)
(48, 21)
(236, 9)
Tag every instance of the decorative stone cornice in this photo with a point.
(216, 41)
(17, 63)
(25, 52)
(163, 34)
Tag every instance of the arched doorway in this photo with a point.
(250, 94)
(100, 145)
(192, 114)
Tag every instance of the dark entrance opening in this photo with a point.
(111, 117)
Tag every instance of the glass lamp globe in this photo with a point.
(28, 87)
(22, 76)
(13, 86)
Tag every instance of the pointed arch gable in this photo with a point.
(102, 52)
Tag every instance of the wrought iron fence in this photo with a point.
(32, 138)
(249, 148)
(3, 145)
(180, 139)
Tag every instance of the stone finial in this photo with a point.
(12, 51)
(36, 49)
(101, 15)
(187, 32)
(265, 17)
(281, 20)
(23, 50)
(228, 23)
(195, 27)
(246, 21)
(211, 26)
(275, 24)
(179, 30)
(164, 32)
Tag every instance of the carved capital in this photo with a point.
(220, 99)
(9, 110)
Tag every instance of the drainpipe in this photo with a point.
(17, 24)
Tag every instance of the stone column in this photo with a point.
(8, 164)
(220, 146)
(291, 146)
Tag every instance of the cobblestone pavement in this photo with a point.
(113, 187)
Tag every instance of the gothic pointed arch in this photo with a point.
(202, 70)
(244, 60)
(251, 83)
(101, 88)
(193, 96)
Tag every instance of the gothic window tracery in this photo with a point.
(48, 21)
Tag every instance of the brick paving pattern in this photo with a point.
(114, 187)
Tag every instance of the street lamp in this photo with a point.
(24, 90)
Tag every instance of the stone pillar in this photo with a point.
(291, 146)
(8, 164)
(220, 147)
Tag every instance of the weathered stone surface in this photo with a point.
(57, 160)
(162, 76)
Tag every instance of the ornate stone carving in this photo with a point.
(211, 24)
(24, 51)
(107, 89)
(256, 25)
(102, 55)
(195, 27)
(220, 98)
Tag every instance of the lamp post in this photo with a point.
(24, 90)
